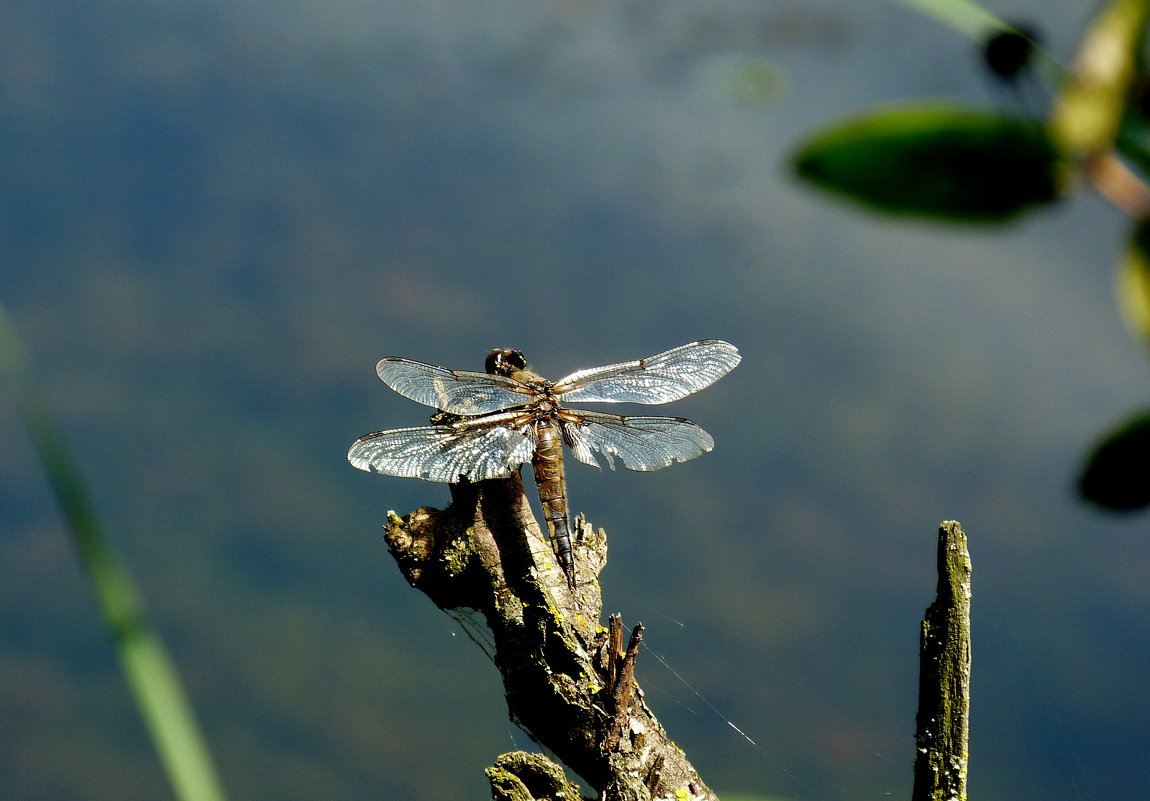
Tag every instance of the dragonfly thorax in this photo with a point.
(545, 405)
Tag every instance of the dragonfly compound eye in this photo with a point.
(505, 361)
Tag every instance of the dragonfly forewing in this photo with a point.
(456, 391)
(662, 378)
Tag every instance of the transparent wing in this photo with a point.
(455, 391)
(642, 443)
(663, 378)
(445, 453)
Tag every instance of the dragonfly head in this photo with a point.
(505, 362)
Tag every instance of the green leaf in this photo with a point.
(936, 160)
(1132, 283)
(1117, 474)
(1133, 143)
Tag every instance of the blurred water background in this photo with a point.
(215, 218)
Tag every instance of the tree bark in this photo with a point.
(568, 681)
(944, 676)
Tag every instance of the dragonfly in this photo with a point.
(489, 424)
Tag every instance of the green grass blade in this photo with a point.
(975, 22)
(150, 673)
(965, 16)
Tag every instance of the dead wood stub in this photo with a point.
(943, 720)
(567, 682)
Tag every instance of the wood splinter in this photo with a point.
(620, 677)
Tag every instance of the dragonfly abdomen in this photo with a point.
(547, 463)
